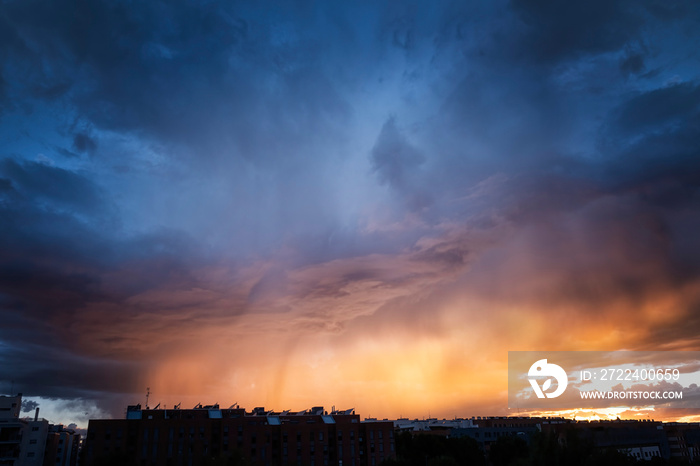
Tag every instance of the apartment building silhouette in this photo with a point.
(205, 434)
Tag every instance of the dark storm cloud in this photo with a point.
(43, 184)
(632, 63)
(655, 137)
(397, 163)
(54, 258)
(558, 30)
(45, 351)
(69, 375)
(555, 31)
(28, 405)
(45, 226)
(23, 73)
(84, 143)
(641, 207)
(659, 109)
(180, 72)
(635, 195)
(101, 44)
(357, 157)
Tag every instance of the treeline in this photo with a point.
(538, 450)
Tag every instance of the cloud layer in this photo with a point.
(306, 204)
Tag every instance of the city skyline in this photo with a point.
(364, 205)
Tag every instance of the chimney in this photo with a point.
(36, 414)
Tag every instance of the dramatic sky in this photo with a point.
(359, 204)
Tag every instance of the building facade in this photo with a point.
(62, 446)
(33, 442)
(206, 434)
(10, 430)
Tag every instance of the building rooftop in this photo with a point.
(216, 412)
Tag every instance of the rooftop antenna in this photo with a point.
(148, 393)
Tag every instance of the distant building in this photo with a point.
(10, 430)
(33, 446)
(641, 439)
(487, 430)
(62, 447)
(683, 440)
(432, 425)
(27, 442)
(164, 437)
